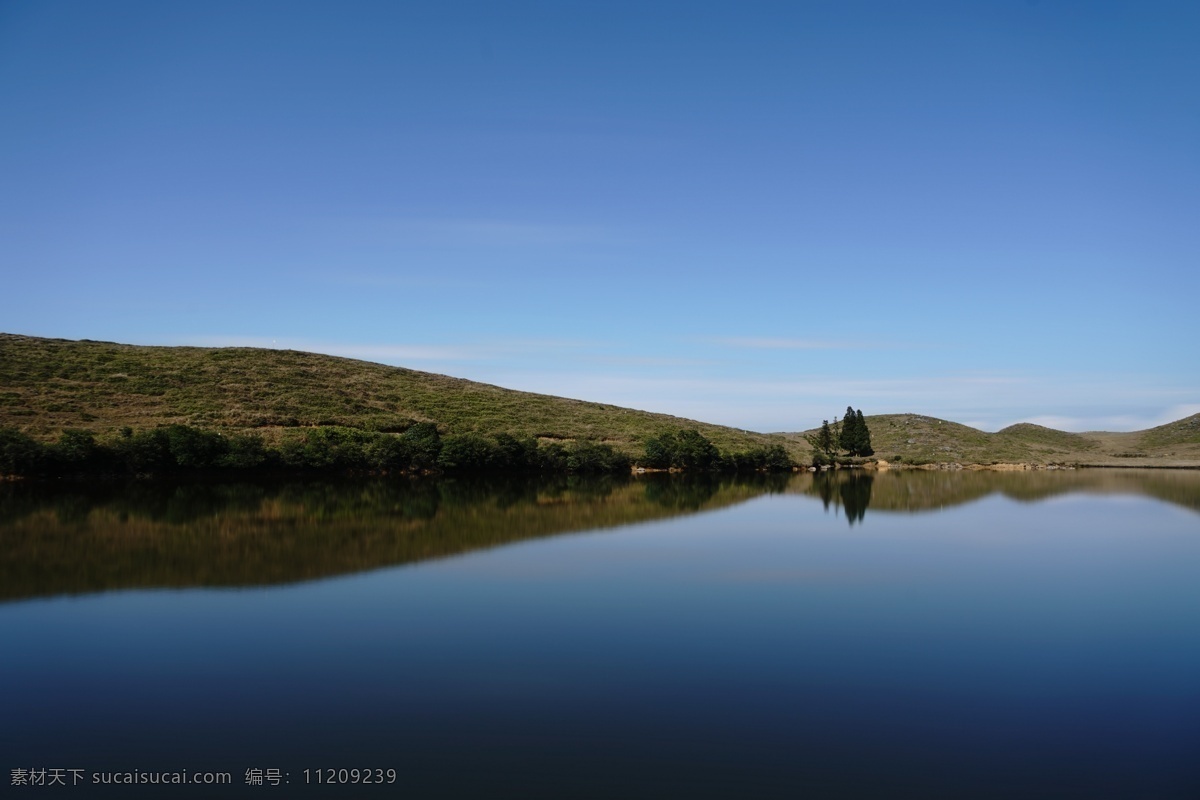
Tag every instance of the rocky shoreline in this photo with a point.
(1028, 466)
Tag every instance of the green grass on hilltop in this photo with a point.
(1044, 439)
(1180, 432)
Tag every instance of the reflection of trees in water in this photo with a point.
(685, 492)
(691, 491)
(78, 537)
(61, 537)
(856, 495)
(164, 501)
(917, 491)
(848, 489)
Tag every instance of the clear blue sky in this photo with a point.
(748, 213)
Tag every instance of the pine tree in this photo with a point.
(864, 435)
(824, 442)
(848, 438)
(849, 434)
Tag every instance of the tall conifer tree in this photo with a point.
(864, 435)
(848, 438)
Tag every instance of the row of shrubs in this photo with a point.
(690, 450)
(177, 449)
(420, 448)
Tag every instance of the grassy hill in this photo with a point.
(47, 385)
(917, 439)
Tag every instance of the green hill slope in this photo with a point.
(917, 439)
(1179, 433)
(47, 385)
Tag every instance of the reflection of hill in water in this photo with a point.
(921, 490)
(68, 539)
(63, 539)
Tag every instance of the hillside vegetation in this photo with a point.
(917, 439)
(51, 385)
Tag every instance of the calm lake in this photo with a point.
(908, 634)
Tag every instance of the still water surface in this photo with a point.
(907, 634)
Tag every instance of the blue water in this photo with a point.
(768, 649)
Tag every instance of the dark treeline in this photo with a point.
(420, 449)
(690, 450)
(181, 449)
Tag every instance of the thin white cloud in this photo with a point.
(366, 352)
(1114, 422)
(1176, 413)
(763, 343)
(407, 281)
(650, 361)
(395, 352)
(986, 402)
(478, 231)
(685, 387)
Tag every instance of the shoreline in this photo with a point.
(954, 466)
(958, 466)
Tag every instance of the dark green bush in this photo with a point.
(687, 449)
(468, 452)
(552, 458)
(660, 451)
(244, 452)
(511, 454)
(193, 449)
(145, 452)
(425, 444)
(326, 449)
(76, 452)
(586, 457)
(20, 454)
(391, 453)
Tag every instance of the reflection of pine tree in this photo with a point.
(847, 489)
(856, 496)
(823, 483)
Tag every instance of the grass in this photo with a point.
(48, 385)
(917, 439)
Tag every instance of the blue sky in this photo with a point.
(750, 214)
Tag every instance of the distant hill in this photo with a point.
(47, 385)
(918, 439)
